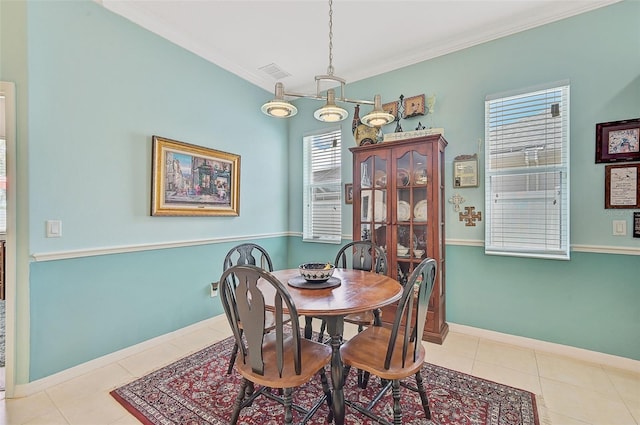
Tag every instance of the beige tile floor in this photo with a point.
(573, 392)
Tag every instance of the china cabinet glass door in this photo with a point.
(411, 212)
(374, 200)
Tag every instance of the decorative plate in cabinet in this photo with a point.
(404, 211)
(420, 211)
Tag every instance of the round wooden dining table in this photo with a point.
(356, 292)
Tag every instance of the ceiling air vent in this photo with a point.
(274, 71)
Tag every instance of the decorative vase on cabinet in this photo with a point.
(398, 203)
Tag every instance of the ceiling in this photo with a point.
(370, 37)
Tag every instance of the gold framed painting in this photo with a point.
(190, 180)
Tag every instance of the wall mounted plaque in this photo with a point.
(622, 186)
(465, 171)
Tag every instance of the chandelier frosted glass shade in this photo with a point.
(378, 117)
(278, 107)
(331, 112)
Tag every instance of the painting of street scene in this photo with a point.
(194, 180)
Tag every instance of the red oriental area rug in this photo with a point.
(197, 390)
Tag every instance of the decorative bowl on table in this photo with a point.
(316, 272)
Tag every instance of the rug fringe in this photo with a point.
(543, 412)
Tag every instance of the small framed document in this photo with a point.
(465, 171)
(622, 186)
(636, 224)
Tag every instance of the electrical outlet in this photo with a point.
(214, 289)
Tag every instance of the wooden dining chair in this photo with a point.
(248, 254)
(396, 353)
(254, 255)
(281, 358)
(363, 255)
(360, 255)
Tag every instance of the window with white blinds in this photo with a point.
(527, 173)
(322, 220)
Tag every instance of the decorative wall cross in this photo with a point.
(456, 200)
(470, 216)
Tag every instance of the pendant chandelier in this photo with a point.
(330, 112)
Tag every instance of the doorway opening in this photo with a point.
(7, 235)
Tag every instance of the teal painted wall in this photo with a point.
(590, 301)
(84, 308)
(94, 88)
(100, 87)
(603, 68)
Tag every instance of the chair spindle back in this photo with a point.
(422, 281)
(362, 255)
(244, 304)
(245, 254)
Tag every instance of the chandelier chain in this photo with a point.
(281, 108)
(330, 68)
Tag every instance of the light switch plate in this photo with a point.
(54, 228)
(619, 228)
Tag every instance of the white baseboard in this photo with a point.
(24, 390)
(550, 347)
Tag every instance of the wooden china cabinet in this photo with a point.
(398, 203)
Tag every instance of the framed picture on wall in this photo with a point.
(348, 193)
(414, 106)
(618, 141)
(190, 180)
(465, 171)
(622, 186)
(391, 108)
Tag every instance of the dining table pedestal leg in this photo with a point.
(335, 328)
